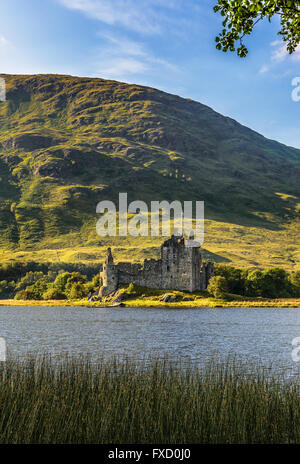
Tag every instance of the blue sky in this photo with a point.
(166, 44)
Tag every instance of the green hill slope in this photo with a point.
(67, 143)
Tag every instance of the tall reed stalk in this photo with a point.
(156, 401)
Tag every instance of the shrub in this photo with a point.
(218, 286)
(96, 281)
(39, 288)
(277, 284)
(26, 294)
(131, 289)
(64, 282)
(7, 289)
(75, 277)
(61, 281)
(94, 285)
(33, 292)
(254, 283)
(235, 278)
(76, 291)
(136, 290)
(54, 294)
(294, 280)
(271, 283)
(29, 279)
(14, 271)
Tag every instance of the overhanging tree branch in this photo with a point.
(241, 16)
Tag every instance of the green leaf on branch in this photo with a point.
(241, 16)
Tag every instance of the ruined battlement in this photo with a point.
(179, 268)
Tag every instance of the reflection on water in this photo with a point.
(264, 334)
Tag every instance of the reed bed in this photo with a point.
(152, 401)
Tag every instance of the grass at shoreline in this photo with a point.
(241, 246)
(156, 303)
(150, 401)
(215, 303)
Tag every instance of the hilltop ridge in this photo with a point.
(67, 143)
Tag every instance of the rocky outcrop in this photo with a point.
(29, 142)
(167, 298)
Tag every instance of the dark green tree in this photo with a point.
(61, 281)
(294, 279)
(255, 283)
(53, 294)
(218, 287)
(271, 283)
(76, 291)
(94, 285)
(7, 289)
(276, 283)
(75, 278)
(29, 279)
(241, 16)
(33, 292)
(234, 278)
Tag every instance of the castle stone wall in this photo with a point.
(179, 268)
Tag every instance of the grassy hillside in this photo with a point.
(67, 143)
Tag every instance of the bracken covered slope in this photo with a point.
(66, 143)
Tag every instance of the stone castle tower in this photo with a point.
(179, 268)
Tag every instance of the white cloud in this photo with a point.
(296, 54)
(135, 15)
(122, 67)
(3, 41)
(264, 69)
(123, 45)
(280, 52)
(120, 58)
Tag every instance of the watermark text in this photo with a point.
(296, 91)
(2, 90)
(163, 218)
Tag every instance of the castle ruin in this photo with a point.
(179, 268)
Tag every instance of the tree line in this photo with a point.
(269, 283)
(59, 281)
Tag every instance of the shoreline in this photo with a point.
(156, 304)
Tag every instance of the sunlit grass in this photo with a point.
(241, 246)
(155, 302)
(217, 303)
